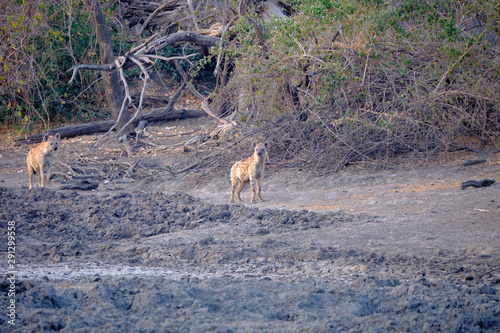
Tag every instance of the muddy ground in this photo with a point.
(361, 250)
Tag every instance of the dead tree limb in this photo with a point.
(204, 103)
(219, 57)
(132, 166)
(156, 11)
(141, 56)
(141, 99)
(186, 78)
(193, 14)
(70, 131)
(75, 69)
(183, 36)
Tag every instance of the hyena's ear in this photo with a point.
(58, 136)
(45, 137)
(265, 144)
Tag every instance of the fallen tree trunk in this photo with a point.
(104, 125)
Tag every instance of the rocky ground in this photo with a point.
(356, 251)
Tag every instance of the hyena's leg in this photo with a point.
(253, 185)
(240, 188)
(258, 190)
(30, 175)
(42, 182)
(48, 174)
(234, 182)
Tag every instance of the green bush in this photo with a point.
(413, 77)
(41, 41)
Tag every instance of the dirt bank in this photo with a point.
(359, 251)
(124, 261)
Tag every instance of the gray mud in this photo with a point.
(153, 262)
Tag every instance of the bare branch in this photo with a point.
(207, 109)
(217, 67)
(141, 47)
(142, 54)
(171, 58)
(187, 79)
(186, 36)
(242, 8)
(175, 97)
(124, 102)
(153, 14)
(195, 92)
(141, 100)
(153, 46)
(193, 15)
(75, 69)
(127, 91)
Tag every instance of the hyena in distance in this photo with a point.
(40, 157)
(250, 170)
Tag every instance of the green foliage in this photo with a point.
(408, 76)
(41, 48)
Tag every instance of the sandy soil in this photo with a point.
(359, 250)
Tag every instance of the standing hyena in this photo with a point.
(41, 157)
(250, 170)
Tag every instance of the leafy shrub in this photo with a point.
(40, 42)
(409, 76)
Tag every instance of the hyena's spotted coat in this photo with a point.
(40, 158)
(250, 170)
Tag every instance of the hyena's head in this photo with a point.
(261, 149)
(51, 142)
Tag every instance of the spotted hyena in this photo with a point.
(40, 158)
(250, 170)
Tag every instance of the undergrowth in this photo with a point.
(348, 81)
(39, 42)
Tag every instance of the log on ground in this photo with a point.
(104, 125)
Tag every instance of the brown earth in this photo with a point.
(359, 250)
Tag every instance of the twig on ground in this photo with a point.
(132, 166)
